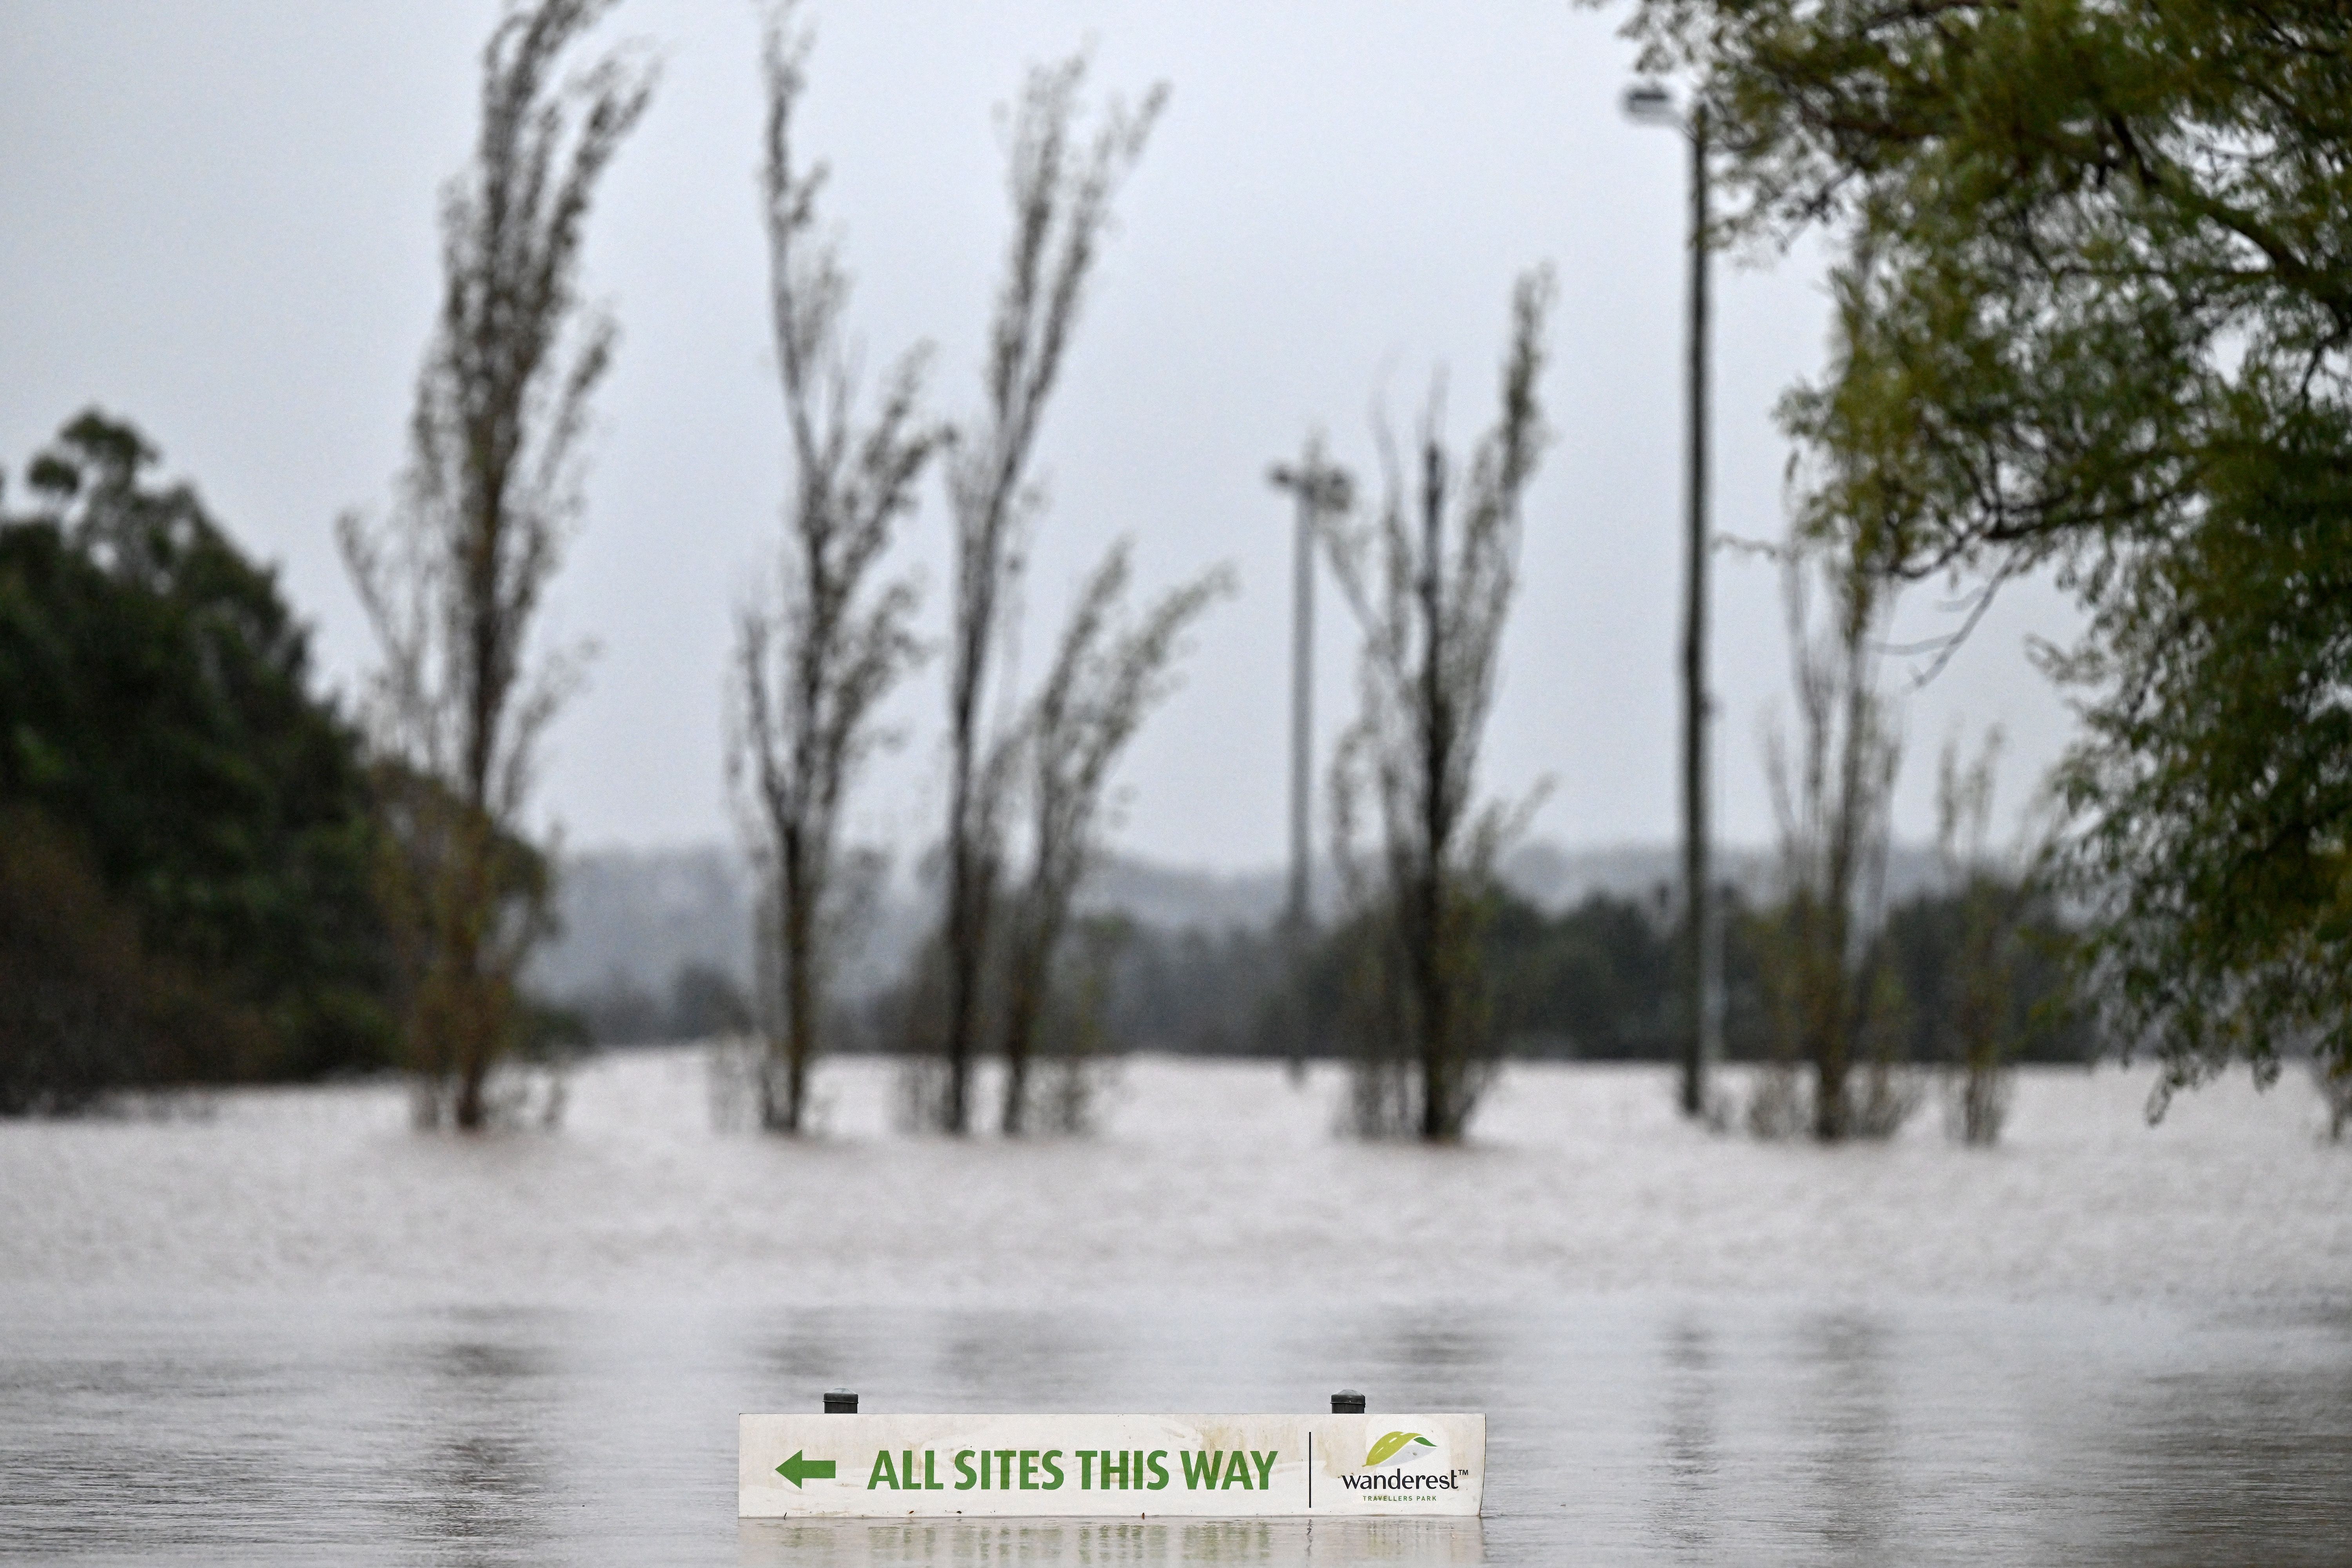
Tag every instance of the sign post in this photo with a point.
(1227, 1466)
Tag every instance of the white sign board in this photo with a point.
(876, 1467)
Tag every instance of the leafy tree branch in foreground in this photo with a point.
(2100, 298)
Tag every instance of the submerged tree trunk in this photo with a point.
(785, 1113)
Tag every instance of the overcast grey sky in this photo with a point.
(219, 222)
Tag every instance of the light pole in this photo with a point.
(1321, 489)
(1649, 103)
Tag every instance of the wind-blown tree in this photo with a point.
(453, 579)
(1061, 185)
(1105, 679)
(2110, 335)
(811, 666)
(1430, 581)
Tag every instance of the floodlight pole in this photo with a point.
(1302, 704)
(1701, 1024)
(1319, 487)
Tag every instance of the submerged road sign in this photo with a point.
(834, 1467)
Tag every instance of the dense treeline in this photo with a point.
(1592, 982)
(208, 871)
(700, 1003)
(189, 839)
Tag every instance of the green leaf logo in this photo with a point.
(1389, 1445)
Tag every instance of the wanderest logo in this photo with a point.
(1404, 1480)
(1390, 1446)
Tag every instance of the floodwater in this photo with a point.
(291, 1329)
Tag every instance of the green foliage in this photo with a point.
(2216, 787)
(87, 1010)
(1594, 982)
(1388, 1446)
(2034, 1015)
(174, 783)
(2097, 317)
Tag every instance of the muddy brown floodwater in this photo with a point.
(292, 1330)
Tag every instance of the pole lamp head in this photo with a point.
(1649, 103)
(1325, 488)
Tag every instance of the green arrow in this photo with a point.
(797, 1469)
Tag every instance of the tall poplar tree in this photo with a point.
(1061, 183)
(811, 664)
(453, 578)
(1430, 579)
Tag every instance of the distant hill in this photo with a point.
(633, 918)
